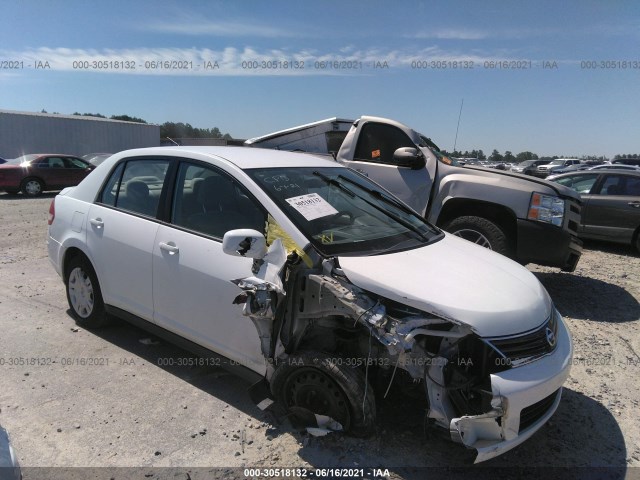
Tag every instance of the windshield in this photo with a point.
(444, 159)
(557, 162)
(343, 213)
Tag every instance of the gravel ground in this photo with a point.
(126, 410)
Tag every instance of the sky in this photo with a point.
(553, 78)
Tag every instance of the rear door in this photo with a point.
(192, 290)
(51, 170)
(612, 209)
(121, 229)
(373, 157)
(75, 170)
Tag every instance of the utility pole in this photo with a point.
(455, 142)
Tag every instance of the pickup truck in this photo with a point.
(559, 165)
(524, 218)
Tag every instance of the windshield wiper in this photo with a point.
(380, 195)
(387, 199)
(401, 221)
(335, 183)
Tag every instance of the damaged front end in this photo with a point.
(478, 389)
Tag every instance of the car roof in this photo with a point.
(242, 157)
(617, 171)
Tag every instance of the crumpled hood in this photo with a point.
(457, 279)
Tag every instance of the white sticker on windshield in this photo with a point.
(312, 206)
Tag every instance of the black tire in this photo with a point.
(322, 384)
(481, 231)
(83, 294)
(32, 187)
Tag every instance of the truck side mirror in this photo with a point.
(409, 157)
(244, 242)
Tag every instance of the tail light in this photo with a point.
(52, 211)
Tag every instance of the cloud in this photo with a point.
(202, 27)
(451, 34)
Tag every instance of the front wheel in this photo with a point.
(323, 385)
(480, 231)
(32, 187)
(84, 295)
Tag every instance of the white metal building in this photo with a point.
(25, 132)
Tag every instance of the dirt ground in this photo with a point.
(121, 407)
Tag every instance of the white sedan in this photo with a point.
(307, 276)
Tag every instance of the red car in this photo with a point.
(35, 173)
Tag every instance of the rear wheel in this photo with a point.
(480, 231)
(322, 385)
(84, 295)
(31, 187)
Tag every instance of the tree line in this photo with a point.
(167, 129)
(509, 157)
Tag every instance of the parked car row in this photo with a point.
(545, 168)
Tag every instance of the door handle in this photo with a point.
(169, 247)
(634, 204)
(96, 222)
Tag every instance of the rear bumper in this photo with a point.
(547, 245)
(524, 398)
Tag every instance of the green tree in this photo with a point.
(508, 157)
(127, 118)
(495, 156)
(522, 156)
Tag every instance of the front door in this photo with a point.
(192, 290)
(373, 157)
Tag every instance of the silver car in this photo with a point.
(611, 203)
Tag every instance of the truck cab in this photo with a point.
(526, 219)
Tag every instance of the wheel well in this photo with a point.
(498, 214)
(69, 255)
(32, 177)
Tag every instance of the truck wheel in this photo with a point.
(84, 295)
(318, 383)
(480, 231)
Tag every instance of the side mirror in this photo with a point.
(244, 242)
(409, 157)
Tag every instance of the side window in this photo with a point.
(56, 162)
(209, 201)
(378, 142)
(580, 183)
(136, 185)
(633, 186)
(70, 162)
(42, 163)
(620, 185)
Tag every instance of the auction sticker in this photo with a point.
(311, 206)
